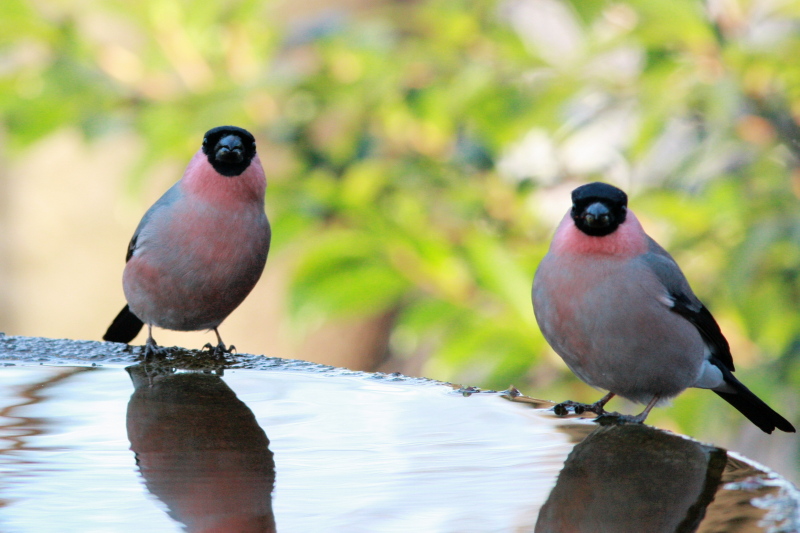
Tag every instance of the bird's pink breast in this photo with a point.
(204, 183)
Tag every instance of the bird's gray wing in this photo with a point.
(167, 199)
(686, 304)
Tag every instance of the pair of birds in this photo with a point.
(609, 300)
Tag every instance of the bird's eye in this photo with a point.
(205, 141)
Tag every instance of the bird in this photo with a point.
(200, 249)
(619, 311)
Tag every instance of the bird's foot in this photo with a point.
(152, 352)
(609, 419)
(562, 409)
(220, 350)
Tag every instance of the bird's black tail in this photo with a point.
(124, 328)
(751, 406)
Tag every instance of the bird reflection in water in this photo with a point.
(201, 451)
(633, 478)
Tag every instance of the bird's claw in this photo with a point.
(153, 351)
(220, 350)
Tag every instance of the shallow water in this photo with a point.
(297, 447)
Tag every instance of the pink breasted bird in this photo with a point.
(201, 248)
(618, 310)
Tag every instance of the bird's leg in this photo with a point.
(562, 409)
(596, 407)
(151, 348)
(641, 417)
(616, 418)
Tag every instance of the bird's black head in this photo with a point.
(229, 149)
(598, 208)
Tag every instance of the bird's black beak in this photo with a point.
(229, 149)
(597, 215)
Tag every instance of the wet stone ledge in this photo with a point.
(94, 439)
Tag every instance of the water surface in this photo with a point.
(291, 446)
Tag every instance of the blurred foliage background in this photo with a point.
(420, 153)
